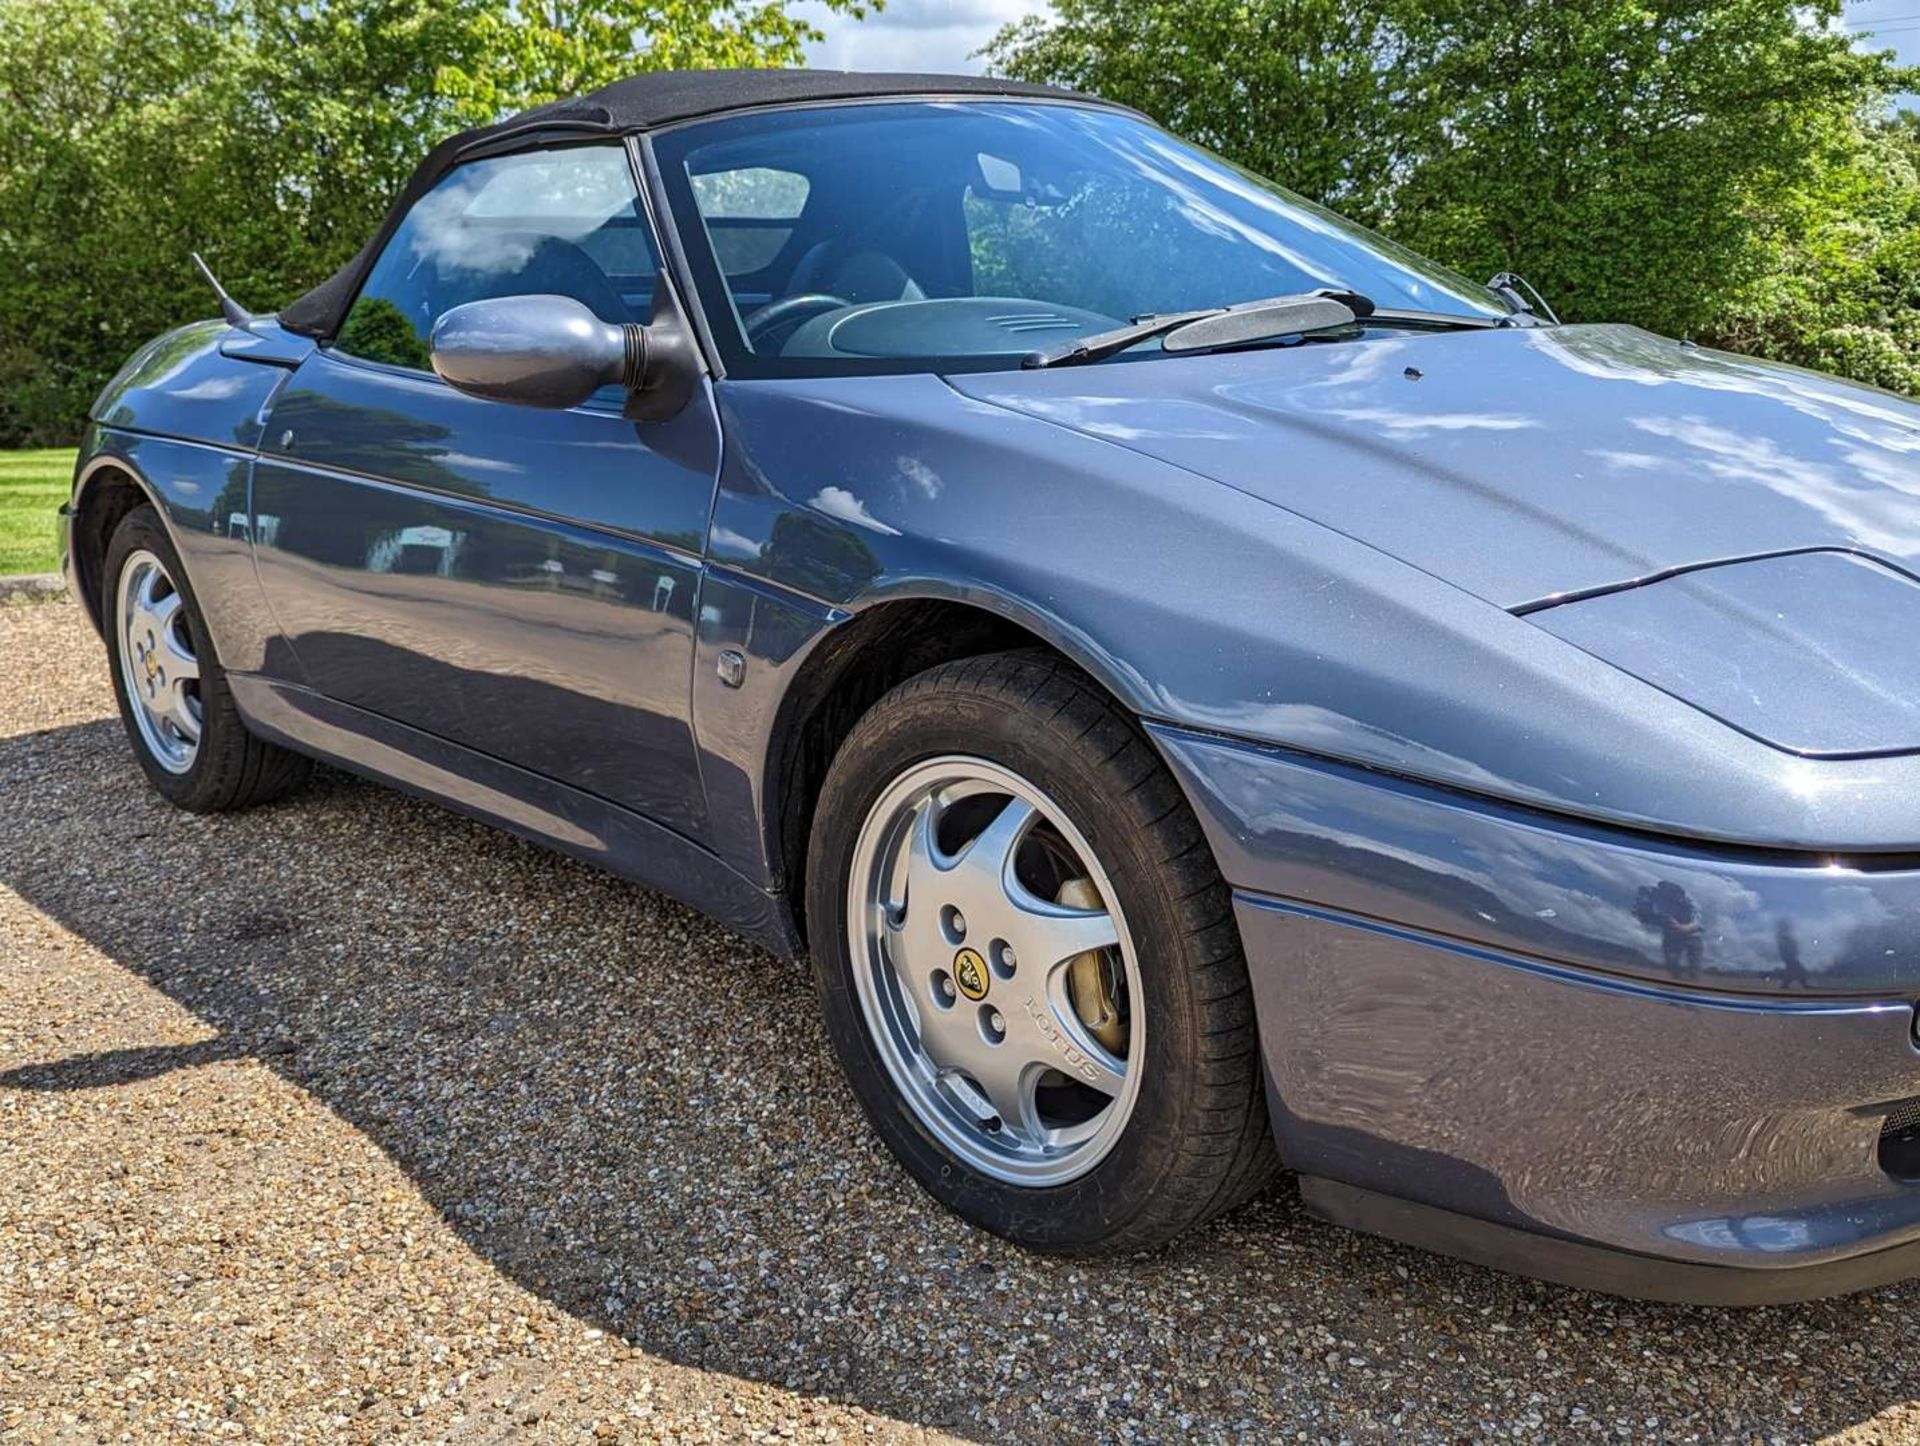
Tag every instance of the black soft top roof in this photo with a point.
(640, 102)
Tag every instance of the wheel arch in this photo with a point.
(855, 664)
(108, 488)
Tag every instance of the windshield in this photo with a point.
(935, 234)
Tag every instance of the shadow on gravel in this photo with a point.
(632, 1113)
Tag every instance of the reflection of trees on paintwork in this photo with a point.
(372, 440)
(378, 441)
(377, 330)
(232, 502)
(817, 557)
(165, 356)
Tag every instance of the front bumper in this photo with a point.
(1571, 1052)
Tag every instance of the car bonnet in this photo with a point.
(1520, 465)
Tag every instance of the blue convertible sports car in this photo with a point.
(1210, 690)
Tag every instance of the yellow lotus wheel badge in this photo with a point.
(970, 974)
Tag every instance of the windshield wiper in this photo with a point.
(1407, 319)
(1188, 331)
(1104, 344)
(1250, 322)
(1440, 321)
(1260, 321)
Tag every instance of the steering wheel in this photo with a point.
(789, 312)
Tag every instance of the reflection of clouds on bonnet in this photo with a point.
(1354, 366)
(1416, 423)
(1857, 470)
(1622, 461)
(1885, 514)
(1109, 417)
(1625, 354)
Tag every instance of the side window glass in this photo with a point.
(750, 213)
(564, 222)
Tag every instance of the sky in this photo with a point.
(932, 35)
(941, 35)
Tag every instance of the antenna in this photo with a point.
(233, 311)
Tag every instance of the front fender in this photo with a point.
(179, 425)
(186, 385)
(201, 495)
(1202, 605)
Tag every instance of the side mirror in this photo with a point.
(550, 351)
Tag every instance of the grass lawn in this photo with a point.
(32, 486)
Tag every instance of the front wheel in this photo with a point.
(179, 713)
(1029, 965)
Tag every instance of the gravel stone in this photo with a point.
(351, 1120)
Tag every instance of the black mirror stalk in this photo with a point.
(670, 361)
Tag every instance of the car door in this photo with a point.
(518, 581)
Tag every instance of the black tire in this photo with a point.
(1197, 1141)
(231, 769)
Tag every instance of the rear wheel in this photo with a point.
(174, 700)
(1029, 965)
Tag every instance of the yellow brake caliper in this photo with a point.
(1087, 976)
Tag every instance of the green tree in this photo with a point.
(1842, 292)
(269, 135)
(542, 49)
(1636, 160)
(1706, 167)
(1303, 91)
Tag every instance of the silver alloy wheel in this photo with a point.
(968, 973)
(157, 662)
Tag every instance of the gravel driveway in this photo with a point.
(349, 1119)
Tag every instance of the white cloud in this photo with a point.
(1889, 24)
(840, 503)
(939, 36)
